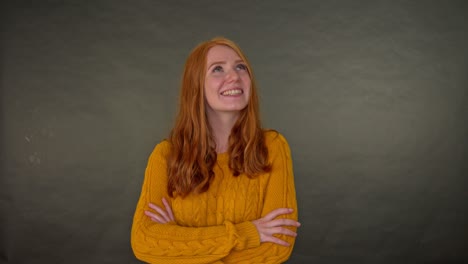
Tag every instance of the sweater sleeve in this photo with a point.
(279, 192)
(170, 243)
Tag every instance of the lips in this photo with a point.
(235, 91)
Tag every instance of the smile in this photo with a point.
(232, 92)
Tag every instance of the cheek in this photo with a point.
(212, 84)
(247, 82)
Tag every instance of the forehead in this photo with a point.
(221, 53)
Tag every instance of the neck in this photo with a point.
(221, 126)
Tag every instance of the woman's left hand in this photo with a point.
(162, 216)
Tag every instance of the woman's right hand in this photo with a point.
(268, 226)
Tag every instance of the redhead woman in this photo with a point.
(220, 189)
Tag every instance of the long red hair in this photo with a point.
(193, 155)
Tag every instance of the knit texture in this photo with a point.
(216, 226)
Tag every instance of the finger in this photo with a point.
(155, 217)
(276, 240)
(282, 222)
(280, 211)
(160, 211)
(168, 209)
(282, 231)
(156, 220)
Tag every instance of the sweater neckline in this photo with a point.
(222, 156)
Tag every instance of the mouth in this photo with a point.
(232, 92)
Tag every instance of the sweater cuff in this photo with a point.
(248, 236)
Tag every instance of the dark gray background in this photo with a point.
(372, 96)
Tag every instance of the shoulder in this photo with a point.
(276, 143)
(273, 138)
(161, 150)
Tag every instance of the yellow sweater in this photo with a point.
(215, 226)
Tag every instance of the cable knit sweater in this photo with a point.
(216, 226)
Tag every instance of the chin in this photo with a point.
(235, 109)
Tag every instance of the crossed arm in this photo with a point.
(157, 238)
(267, 226)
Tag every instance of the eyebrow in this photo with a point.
(224, 62)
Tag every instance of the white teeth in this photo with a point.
(232, 92)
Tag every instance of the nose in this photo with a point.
(232, 76)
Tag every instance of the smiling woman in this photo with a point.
(220, 189)
(227, 82)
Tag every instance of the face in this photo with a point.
(227, 81)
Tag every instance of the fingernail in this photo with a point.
(290, 209)
(298, 224)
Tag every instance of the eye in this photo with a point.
(241, 67)
(217, 69)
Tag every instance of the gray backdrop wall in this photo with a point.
(372, 96)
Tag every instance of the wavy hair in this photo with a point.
(193, 149)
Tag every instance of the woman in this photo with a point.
(220, 189)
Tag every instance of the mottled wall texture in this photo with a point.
(371, 95)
